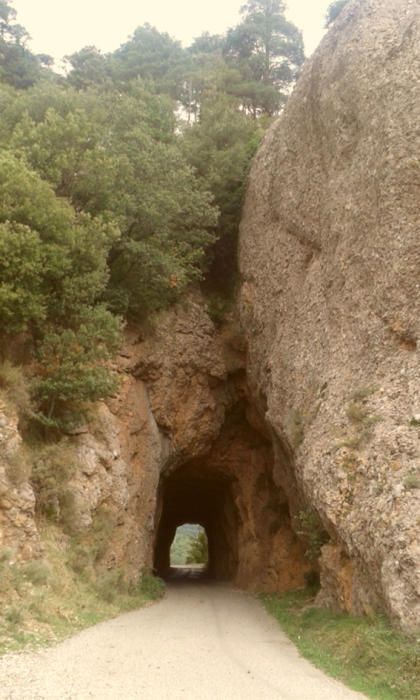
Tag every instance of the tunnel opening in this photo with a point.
(189, 549)
(196, 494)
(240, 493)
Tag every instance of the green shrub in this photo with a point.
(151, 587)
(309, 526)
(71, 370)
(198, 549)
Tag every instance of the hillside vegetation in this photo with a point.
(121, 184)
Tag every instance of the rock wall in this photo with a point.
(181, 416)
(18, 531)
(326, 422)
(330, 302)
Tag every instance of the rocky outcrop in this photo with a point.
(210, 465)
(18, 532)
(330, 300)
(311, 426)
(180, 442)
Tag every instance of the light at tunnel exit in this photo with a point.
(189, 546)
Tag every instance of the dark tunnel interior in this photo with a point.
(196, 494)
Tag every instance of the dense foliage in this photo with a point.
(198, 549)
(122, 183)
(18, 66)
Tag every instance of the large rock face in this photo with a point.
(330, 299)
(179, 442)
(18, 531)
(316, 429)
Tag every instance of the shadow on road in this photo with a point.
(188, 574)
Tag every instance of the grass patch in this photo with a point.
(44, 601)
(365, 653)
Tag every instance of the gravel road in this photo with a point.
(200, 642)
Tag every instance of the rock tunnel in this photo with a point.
(231, 492)
(197, 494)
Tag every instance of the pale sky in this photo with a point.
(60, 27)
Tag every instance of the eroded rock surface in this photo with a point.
(318, 414)
(179, 442)
(330, 300)
(18, 532)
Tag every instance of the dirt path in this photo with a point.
(200, 643)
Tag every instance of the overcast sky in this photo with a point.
(60, 27)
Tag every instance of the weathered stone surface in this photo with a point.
(183, 365)
(330, 302)
(18, 531)
(170, 407)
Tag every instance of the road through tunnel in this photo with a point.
(231, 493)
(196, 494)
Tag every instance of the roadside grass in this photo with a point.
(45, 601)
(366, 653)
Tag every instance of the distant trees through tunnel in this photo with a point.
(189, 546)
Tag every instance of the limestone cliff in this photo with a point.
(330, 302)
(304, 425)
(178, 443)
(17, 499)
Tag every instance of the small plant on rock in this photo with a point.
(309, 526)
(360, 418)
(412, 481)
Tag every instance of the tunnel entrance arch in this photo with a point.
(197, 493)
(241, 499)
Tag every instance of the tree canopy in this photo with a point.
(121, 184)
(18, 66)
(268, 51)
